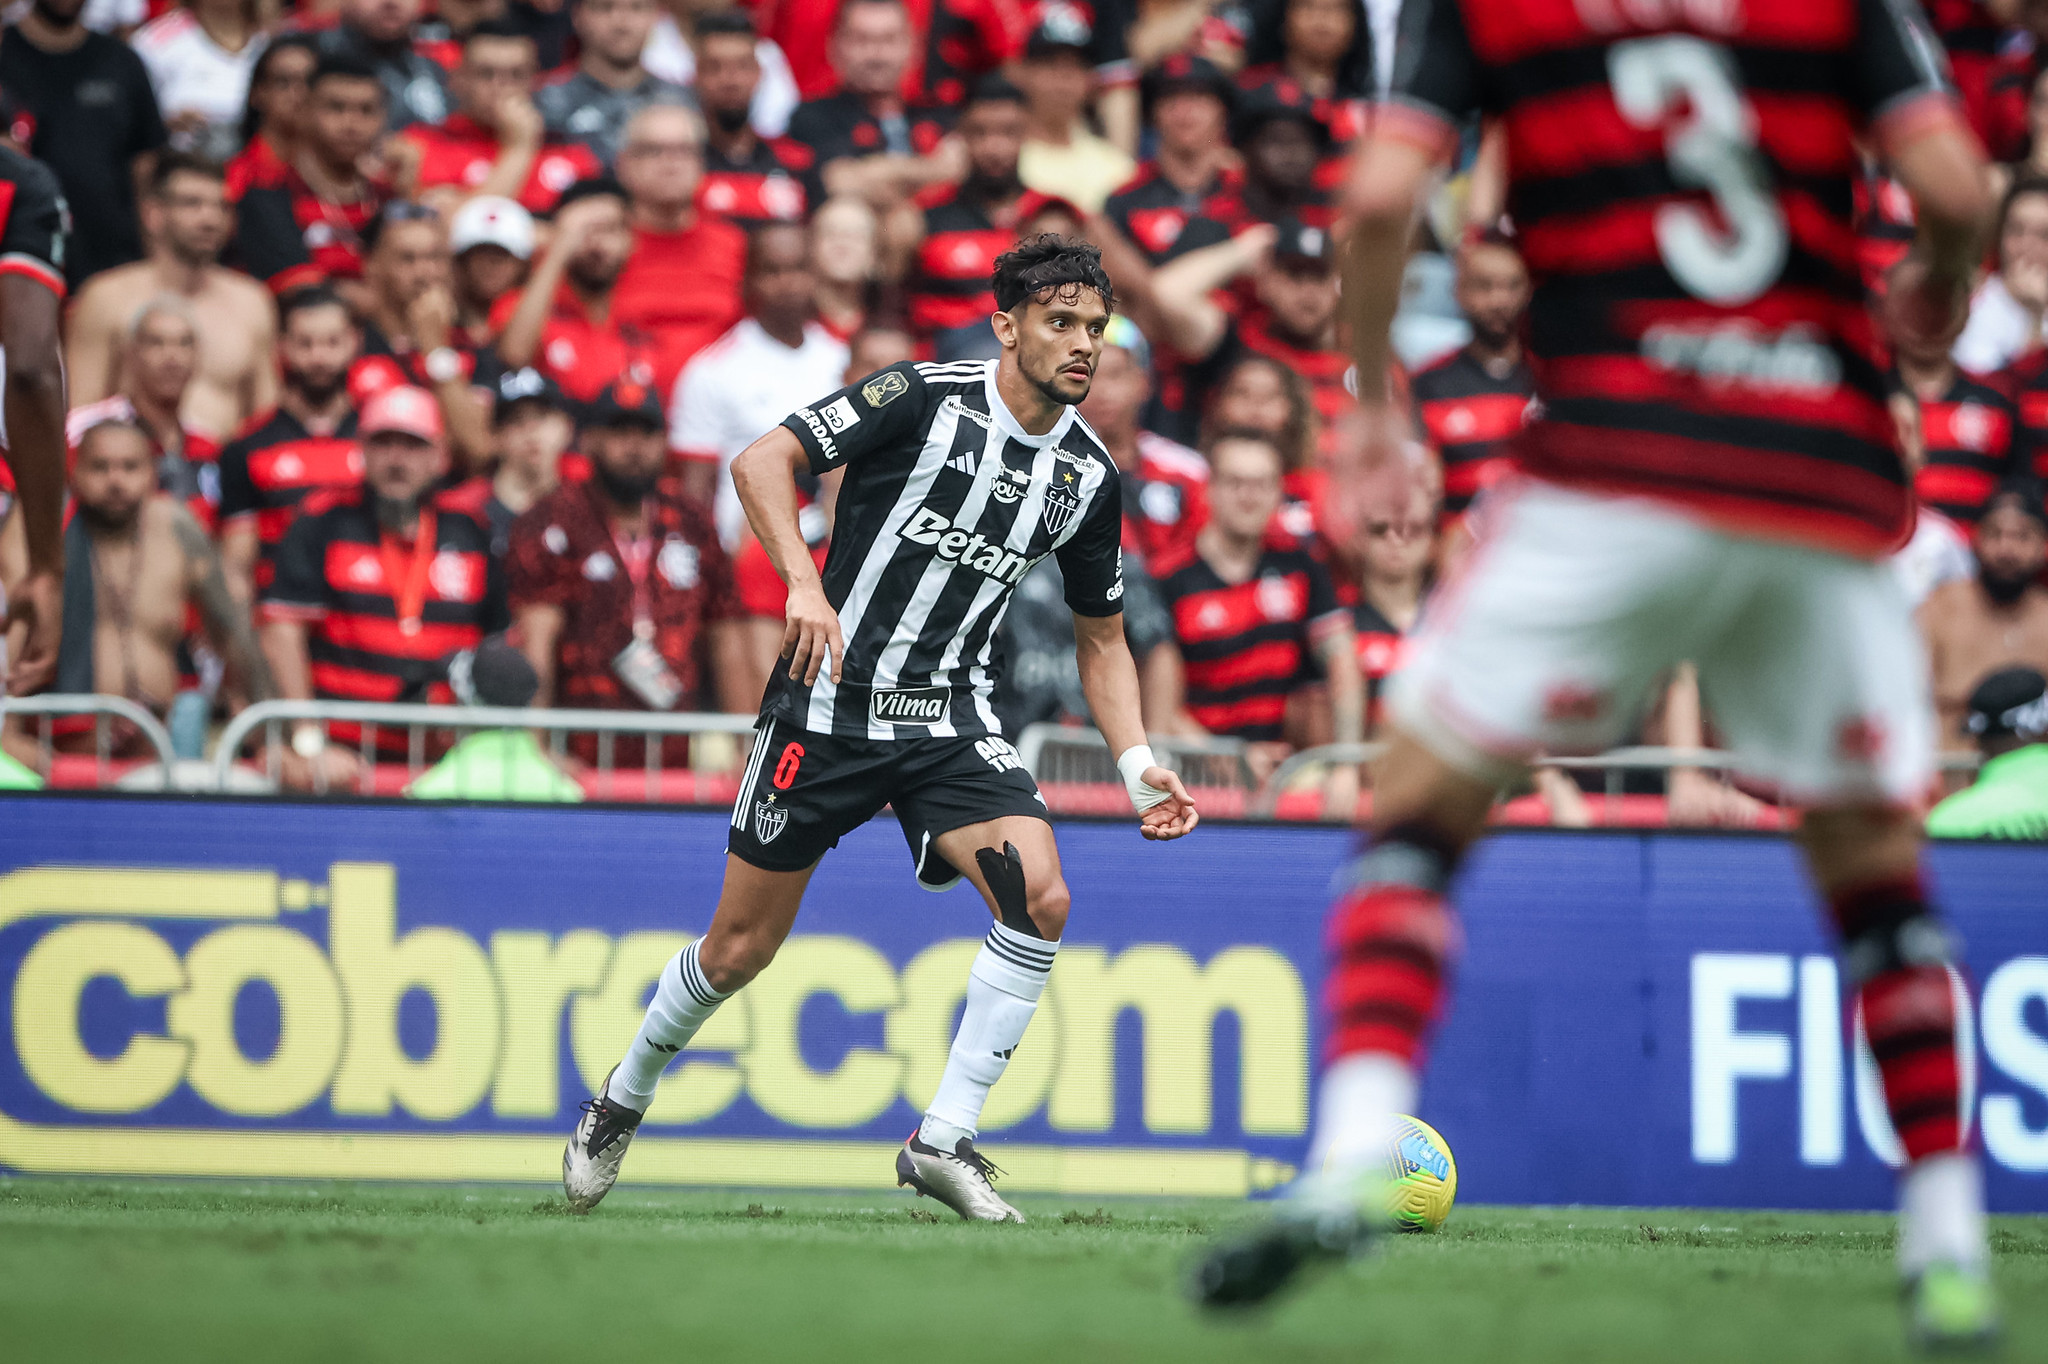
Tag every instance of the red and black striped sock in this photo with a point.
(1897, 956)
(1393, 940)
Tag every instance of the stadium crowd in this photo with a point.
(537, 270)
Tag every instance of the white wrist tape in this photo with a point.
(1132, 764)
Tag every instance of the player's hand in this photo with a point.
(811, 633)
(1173, 817)
(1377, 470)
(1924, 307)
(37, 606)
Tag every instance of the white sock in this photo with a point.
(1003, 987)
(1360, 1097)
(1941, 1214)
(683, 999)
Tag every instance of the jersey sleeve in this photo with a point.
(1899, 70)
(268, 242)
(1435, 88)
(863, 419)
(1092, 559)
(298, 588)
(37, 225)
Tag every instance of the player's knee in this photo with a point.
(1047, 905)
(730, 960)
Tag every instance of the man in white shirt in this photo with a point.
(774, 360)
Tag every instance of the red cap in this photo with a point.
(406, 410)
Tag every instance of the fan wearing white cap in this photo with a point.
(491, 239)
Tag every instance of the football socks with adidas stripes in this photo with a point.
(683, 999)
(1003, 987)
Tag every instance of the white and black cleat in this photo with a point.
(596, 1149)
(962, 1179)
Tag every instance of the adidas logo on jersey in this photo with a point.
(969, 549)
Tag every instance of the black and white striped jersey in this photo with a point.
(946, 504)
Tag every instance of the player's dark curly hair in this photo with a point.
(1050, 261)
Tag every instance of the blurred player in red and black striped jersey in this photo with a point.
(1713, 478)
(1188, 101)
(376, 586)
(34, 224)
(1475, 400)
(1969, 426)
(308, 442)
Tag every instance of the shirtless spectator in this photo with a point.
(139, 563)
(594, 103)
(381, 34)
(158, 361)
(494, 143)
(186, 218)
(305, 226)
(1997, 620)
(867, 141)
(308, 442)
(748, 178)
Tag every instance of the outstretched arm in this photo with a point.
(1109, 679)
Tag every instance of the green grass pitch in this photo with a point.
(106, 1271)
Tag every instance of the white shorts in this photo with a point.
(1573, 605)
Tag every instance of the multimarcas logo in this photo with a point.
(301, 1031)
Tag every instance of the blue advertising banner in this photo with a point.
(383, 991)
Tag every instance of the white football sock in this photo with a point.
(1003, 987)
(1941, 1214)
(1360, 1097)
(683, 999)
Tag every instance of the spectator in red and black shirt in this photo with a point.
(1165, 485)
(1325, 47)
(748, 178)
(563, 322)
(1188, 101)
(1255, 619)
(495, 141)
(623, 598)
(307, 443)
(1294, 284)
(1474, 400)
(963, 41)
(305, 225)
(865, 139)
(967, 226)
(412, 322)
(1969, 426)
(1396, 563)
(1283, 144)
(274, 119)
(377, 586)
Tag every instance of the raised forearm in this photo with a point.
(1385, 190)
(1347, 688)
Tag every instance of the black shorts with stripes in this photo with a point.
(803, 791)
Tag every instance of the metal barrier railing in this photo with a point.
(104, 710)
(1061, 754)
(419, 722)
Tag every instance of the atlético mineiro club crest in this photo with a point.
(770, 820)
(1061, 502)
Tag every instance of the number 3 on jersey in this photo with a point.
(1713, 149)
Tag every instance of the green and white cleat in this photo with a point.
(1952, 1310)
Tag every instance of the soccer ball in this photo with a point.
(1422, 1178)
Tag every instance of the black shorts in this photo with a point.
(802, 792)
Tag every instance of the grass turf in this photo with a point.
(289, 1271)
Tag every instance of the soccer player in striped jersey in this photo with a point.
(1712, 478)
(958, 478)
